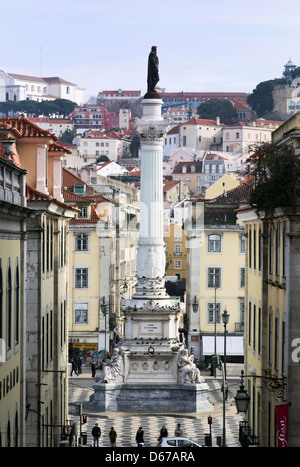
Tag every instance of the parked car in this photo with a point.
(178, 442)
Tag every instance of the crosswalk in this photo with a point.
(194, 426)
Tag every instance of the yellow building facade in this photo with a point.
(43, 366)
(272, 374)
(13, 216)
(215, 281)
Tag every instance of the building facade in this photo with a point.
(272, 372)
(13, 217)
(216, 277)
(17, 87)
(44, 360)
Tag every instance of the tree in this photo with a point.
(218, 108)
(261, 98)
(276, 174)
(67, 136)
(134, 146)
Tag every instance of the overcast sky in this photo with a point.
(202, 45)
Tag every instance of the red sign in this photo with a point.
(282, 425)
(195, 338)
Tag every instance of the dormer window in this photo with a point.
(79, 188)
(83, 213)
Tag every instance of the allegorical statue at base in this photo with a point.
(153, 74)
(112, 370)
(187, 370)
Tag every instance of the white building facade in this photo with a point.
(17, 87)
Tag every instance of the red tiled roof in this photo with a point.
(188, 164)
(35, 195)
(93, 219)
(26, 128)
(202, 121)
(169, 184)
(69, 179)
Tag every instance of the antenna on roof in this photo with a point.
(41, 61)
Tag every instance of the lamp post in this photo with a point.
(225, 320)
(195, 305)
(242, 398)
(104, 311)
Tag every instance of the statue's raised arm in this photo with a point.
(153, 74)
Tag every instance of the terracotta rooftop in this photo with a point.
(197, 164)
(35, 195)
(24, 127)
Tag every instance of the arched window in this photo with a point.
(8, 308)
(17, 305)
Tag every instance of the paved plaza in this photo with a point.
(195, 426)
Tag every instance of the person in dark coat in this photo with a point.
(96, 433)
(113, 437)
(74, 367)
(163, 433)
(140, 437)
(93, 366)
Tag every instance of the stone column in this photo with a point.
(151, 128)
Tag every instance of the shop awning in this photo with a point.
(234, 345)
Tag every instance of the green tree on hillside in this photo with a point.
(261, 98)
(218, 108)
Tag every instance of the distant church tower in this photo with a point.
(289, 67)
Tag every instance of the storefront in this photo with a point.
(85, 351)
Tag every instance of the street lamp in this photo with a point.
(195, 305)
(124, 288)
(242, 398)
(225, 319)
(104, 308)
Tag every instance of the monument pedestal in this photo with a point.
(150, 398)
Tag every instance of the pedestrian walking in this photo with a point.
(163, 433)
(96, 433)
(113, 437)
(139, 438)
(93, 367)
(178, 430)
(74, 367)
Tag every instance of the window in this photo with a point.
(81, 278)
(214, 244)
(250, 247)
(8, 308)
(242, 278)
(283, 248)
(177, 264)
(259, 331)
(249, 324)
(259, 250)
(81, 313)
(243, 244)
(277, 250)
(214, 277)
(81, 242)
(17, 306)
(211, 312)
(271, 251)
(83, 212)
(177, 249)
(237, 135)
